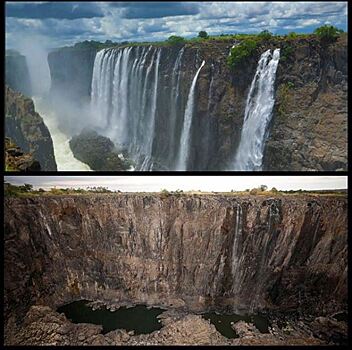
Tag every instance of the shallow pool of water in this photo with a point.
(223, 322)
(140, 319)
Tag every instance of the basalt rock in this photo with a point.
(309, 125)
(225, 253)
(17, 73)
(97, 151)
(27, 129)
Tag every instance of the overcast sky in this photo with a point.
(171, 183)
(64, 23)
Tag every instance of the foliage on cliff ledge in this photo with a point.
(240, 52)
(327, 33)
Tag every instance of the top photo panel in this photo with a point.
(175, 86)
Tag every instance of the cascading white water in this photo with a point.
(148, 164)
(64, 157)
(174, 99)
(258, 113)
(185, 136)
(235, 253)
(124, 94)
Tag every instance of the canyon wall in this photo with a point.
(309, 125)
(200, 252)
(27, 129)
(17, 73)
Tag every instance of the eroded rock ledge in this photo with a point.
(194, 253)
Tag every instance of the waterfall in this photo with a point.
(174, 102)
(185, 136)
(235, 255)
(148, 164)
(258, 113)
(129, 102)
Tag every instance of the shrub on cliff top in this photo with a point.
(240, 52)
(265, 35)
(327, 33)
(174, 40)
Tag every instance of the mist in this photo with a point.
(34, 48)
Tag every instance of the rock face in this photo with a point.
(311, 86)
(27, 129)
(309, 126)
(17, 160)
(17, 73)
(97, 151)
(198, 253)
(71, 72)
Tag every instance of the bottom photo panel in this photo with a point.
(175, 260)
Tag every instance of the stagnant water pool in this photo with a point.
(140, 319)
(143, 320)
(223, 322)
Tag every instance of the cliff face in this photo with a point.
(71, 72)
(198, 253)
(27, 129)
(17, 73)
(309, 125)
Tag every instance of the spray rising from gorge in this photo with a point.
(161, 108)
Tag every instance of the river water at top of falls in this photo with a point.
(64, 157)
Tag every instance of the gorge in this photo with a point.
(188, 254)
(160, 105)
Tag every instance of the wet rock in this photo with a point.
(97, 151)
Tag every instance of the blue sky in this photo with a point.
(65, 23)
(172, 183)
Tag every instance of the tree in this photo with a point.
(203, 34)
(263, 188)
(174, 40)
(265, 35)
(253, 191)
(26, 188)
(274, 190)
(240, 52)
(327, 33)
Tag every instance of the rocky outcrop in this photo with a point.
(27, 129)
(17, 73)
(43, 326)
(17, 160)
(199, 253)
(311, 86)
(97, 151)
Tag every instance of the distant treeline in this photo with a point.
(11, 190)
(325, 33)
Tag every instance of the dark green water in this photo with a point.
(223, 323)
(138, 318)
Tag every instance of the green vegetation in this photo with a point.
(176, 40)
(292, 35)
(239, 53)
(265, 35)
(328, 34)
(27, 190)
(202, 34)
(286, 52)
(284, 98)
